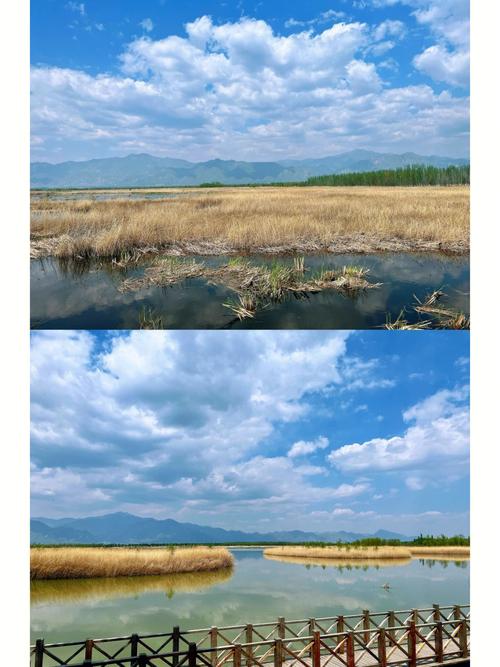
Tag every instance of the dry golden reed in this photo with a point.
(350, 553)
(336, 219)
(429, 552)
(79, 562)
(345, 553)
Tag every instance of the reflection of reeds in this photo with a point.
(341, 563)
(72, 590)
(148, 319)
(256, 219)
(344, 552)
(76, 562)
(255, 285)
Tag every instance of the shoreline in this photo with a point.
(360, 244)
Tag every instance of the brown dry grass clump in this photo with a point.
(428, 552)
(227, 220)
(79, 562)
(346, 553)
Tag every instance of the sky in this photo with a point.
(248, 79)
(260, 430)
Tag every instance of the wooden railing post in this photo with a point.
(281, 634)
(249, 640)
(436, 614)
(39, 648)
(312, 626)
(350, 658)
(456, 612)
(412, 645)
(192, 654)
(391, 623)
(462, 638)
(176, 636)
(278, 652)
(414, 616)
(316, 652)
(438, 641)
(237, 655)
(213, 645)
(366, 624)
(134, 643)
(382, 655)
(340, 630)
(89, 644)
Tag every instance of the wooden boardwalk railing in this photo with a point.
(382, 639)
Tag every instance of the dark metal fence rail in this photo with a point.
(381, 639)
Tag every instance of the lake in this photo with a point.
(69, 295)
(257, 589)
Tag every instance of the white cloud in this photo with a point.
(448, 21)
(239, 89)
(389, 28)
(303, 447)
(439, 432)
(443, 65)
(147, 24)
(155, 419)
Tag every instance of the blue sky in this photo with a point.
(248, 80)
(257, 430)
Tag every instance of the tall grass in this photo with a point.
(270, 219)
(79, 562)
(344, 552)
(463, 552)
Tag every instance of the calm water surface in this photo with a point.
(65, 296)
(257, 589)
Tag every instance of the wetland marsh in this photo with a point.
(257, 589)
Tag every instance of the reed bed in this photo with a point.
(450, 552)
(232, 220)
(73, 590)
(81, 562)
(344, 552)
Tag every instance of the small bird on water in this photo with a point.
(386, 586)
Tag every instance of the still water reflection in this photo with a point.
(257, 589)
(77, 296)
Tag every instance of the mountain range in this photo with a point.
(143, 170)
(124, 528)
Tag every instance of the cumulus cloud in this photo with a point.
(154, 420)
(448, 21)
(241, 89)
(302, 447)
(443, 65)
(196, 425)
(439, 432)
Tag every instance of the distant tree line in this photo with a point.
(411, 175)
(421, 540)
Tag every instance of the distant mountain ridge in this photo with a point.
(144, 170)
(123, 528)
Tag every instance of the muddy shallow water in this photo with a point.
(78, 296)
